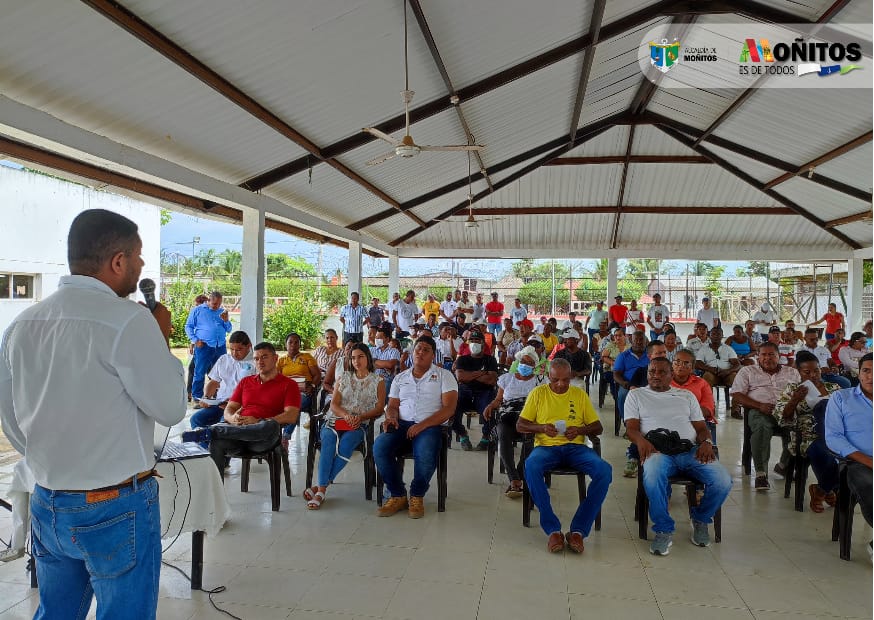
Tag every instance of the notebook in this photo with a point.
(167, 449)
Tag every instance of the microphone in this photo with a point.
(147, 288)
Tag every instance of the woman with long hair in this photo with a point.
(359, 397)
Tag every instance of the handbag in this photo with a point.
(513, 406)
(668, 442)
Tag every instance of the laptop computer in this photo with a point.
(167, 450)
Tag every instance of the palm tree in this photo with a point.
(230, 262)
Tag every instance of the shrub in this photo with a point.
(179, 299)
(296, 314)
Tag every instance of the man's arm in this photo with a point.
(632, 429)
(11, 429)
(835, 433)
(448, 401)
(231, 410)
(527, 426)
(190, 325)
(289, 415)
(705, 452)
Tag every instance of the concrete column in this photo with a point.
(394, 276)
(354, 272)
(611, 280)
(252, 293)
(854, 317)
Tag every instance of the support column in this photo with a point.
(354, 273)
(252, 290)
(394, 276)
(854, 317)
(611, 280)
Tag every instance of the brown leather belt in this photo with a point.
(143, 475)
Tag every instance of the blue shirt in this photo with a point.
(354, 318)
(627, 363)
(848, 422)
(207, 324)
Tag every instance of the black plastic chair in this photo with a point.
(493, 452)
(277, 465)
(641, 502)
(442, 469)
(314, 444)
(527, 504)
(796, 471)
(842, 523)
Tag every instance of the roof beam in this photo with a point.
(583, 83)
(141, 30)
(614, 119)
(79, 169)
(809, 166)
(827, 15)
(758, 185)
(760, 157)
(654, 210)
(857, 217)
(541, 61)
(634, 159)
(614, 237)
(453, 94)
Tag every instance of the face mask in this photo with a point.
(379, 342)
(476, 348)
(525, 370)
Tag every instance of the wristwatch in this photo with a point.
(708, 440)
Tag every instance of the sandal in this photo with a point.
(513, 492)
(308, 494)
(831, 499)
(816, 497)
(316, 502)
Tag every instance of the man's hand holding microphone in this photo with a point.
(158, 310)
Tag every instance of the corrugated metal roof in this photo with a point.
(753, 168)
(853, 168)
(280, 53)
(132, 94)
(390, 228)
(807, 9)
(819, 200)
(617, 9)
(652, 141)
(611, 142)
(645, 230)
(691, 106)
(799, 126)
(858, 231)
(690, 185)
(560, 186)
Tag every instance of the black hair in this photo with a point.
(265, 346)
(240, 337)
(805, 356)
(856, 336)
(95, 236)
(865, 358)
(770, 345)
(811, 330)
(360, 346)
(653, 343)
(429, 341)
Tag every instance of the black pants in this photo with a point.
(506, 432)
(190, 379)
(859, 481)
(469, 400)
(228, 440)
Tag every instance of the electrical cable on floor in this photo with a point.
(217, 589)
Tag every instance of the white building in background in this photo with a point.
(35, 215)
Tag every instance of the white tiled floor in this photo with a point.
(477, 561)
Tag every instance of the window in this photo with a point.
(22, 286)
(16, 286)
(470, 284)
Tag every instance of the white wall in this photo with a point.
(35, 215)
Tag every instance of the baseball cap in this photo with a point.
(571, 333)
(774, 329)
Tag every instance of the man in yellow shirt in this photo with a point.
(561, 416)
(430, 307)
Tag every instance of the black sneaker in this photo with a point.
(762, 483)
(198, 435)
(780, 469)
(482, 446)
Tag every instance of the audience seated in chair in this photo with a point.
(828, 367)
(577, 357)
(358, 398)
(757, 388)
(301, 366)
(629, 372)
(504, 410)
(660, 406)
(848, 433)
(685, 379)
(797, 411)
(222, 379)
(477, 375)
(421, 400)
(718, 364)
(561, 416)
(260, 404)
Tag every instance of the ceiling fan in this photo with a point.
(406, 146)
(471, 221)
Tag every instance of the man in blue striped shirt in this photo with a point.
(352, 316)
(848, 429)
(207, 328)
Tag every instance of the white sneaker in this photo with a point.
(7, 555)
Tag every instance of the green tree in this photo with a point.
(297, 315)
(528, 270)
(334, 296)
(591, 290)
(229, 262)
(178, 297)
(166, 216)
(288, 266)
(866, 272)
(537, 295)
(439, 291)
(644, 268)
(753, 268)
(204, 262)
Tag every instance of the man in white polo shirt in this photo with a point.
(420, 401)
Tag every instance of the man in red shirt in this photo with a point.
(618, 313)
(255, 412)
(685, 379)
(494, 314)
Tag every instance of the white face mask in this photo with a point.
(379, 342)
(476, 348)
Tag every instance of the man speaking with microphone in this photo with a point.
(84, 376)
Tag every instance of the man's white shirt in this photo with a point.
(421, 398)
(674, 409)
(228, 372)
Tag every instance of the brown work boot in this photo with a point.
(575, 541)
(391, 506)
(417, 507)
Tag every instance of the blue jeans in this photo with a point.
(110, 549)
(839, 379)
(495, 329)
(579, 457)
(659, 467)
(204, 359)
(335, 454)
(621, 395)
(207, 417)
(305, 402)
(824, 465)
(389, 447)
